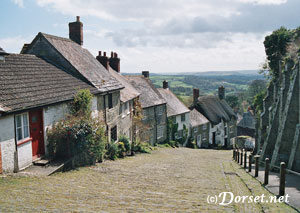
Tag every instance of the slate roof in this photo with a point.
(174, 105)
(214, 109)
(129, 92)
(27, 81)
(149, 95)
(248, 121)
(196, 118)
(84, 62)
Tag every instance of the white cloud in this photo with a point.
(14, 44)
(20, 3)
(267, 2)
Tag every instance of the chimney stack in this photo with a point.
(103, 59)
(195, 94)
(165, 84)
(221, 92)
(145, 74)
(114, 61)
(75, 31)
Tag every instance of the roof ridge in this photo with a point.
(56, 37)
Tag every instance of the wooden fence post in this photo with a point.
(245, 160)
(233, 154)
(267, 168)
(256, 157)
(282, 179)
(241, 160)
(250, 163)
(238, 156)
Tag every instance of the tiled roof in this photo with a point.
(197, 118)
(174, 105)
(214, 109)
(129, 92)
(84, 62)
(27, 81)
(149, 95)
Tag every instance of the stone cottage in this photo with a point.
(128, 96)
(34, 94)
(199, 128)
(220, 115)
(177, 112)
(154, 109)
(69, 55)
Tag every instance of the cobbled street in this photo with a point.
(167, 180)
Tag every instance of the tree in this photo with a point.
(232, 100)
(275, 48)
(256, 87)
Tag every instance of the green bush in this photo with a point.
(142, 147)
(126, 142)
(112, 151)
(81, 105)
(121, 150)
(191, 143)
(77, 135)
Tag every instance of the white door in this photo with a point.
(199, 141)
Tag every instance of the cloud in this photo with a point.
(14, 44)
(20, 3)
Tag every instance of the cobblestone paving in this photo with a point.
(167, 180)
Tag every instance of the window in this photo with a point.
(126, 110)
(160, 132)
(204, 137)
(204, 127)
(145, 114)
(182, 117)
(121, 109)
(159, 110)
(196, 129)
(110, 101)
(22, 126)
(113, 134)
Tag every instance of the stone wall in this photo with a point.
(7, 143)
(279, 135)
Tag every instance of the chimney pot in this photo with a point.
(99, 53)
(114, 62)
(75, 31)
(146, 74)
(103, 59)
(165, 84)
(221, 92)
(195, 94)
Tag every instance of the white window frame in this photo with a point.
(195, 129)
(160, 132)
(204, 127)
(22, 127)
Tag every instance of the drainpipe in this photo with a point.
(155, 119)
(16, 161)
(105, 117)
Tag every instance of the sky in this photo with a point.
(157, 35)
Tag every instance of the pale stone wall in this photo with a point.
(7, 142)
(24, 155)
(51, 115)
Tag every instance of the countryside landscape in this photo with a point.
(150, 106)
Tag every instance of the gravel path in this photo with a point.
(167, 180)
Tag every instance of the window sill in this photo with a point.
(26, 140)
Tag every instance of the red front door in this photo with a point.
(36, 132)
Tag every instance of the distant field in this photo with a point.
(182, 85)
